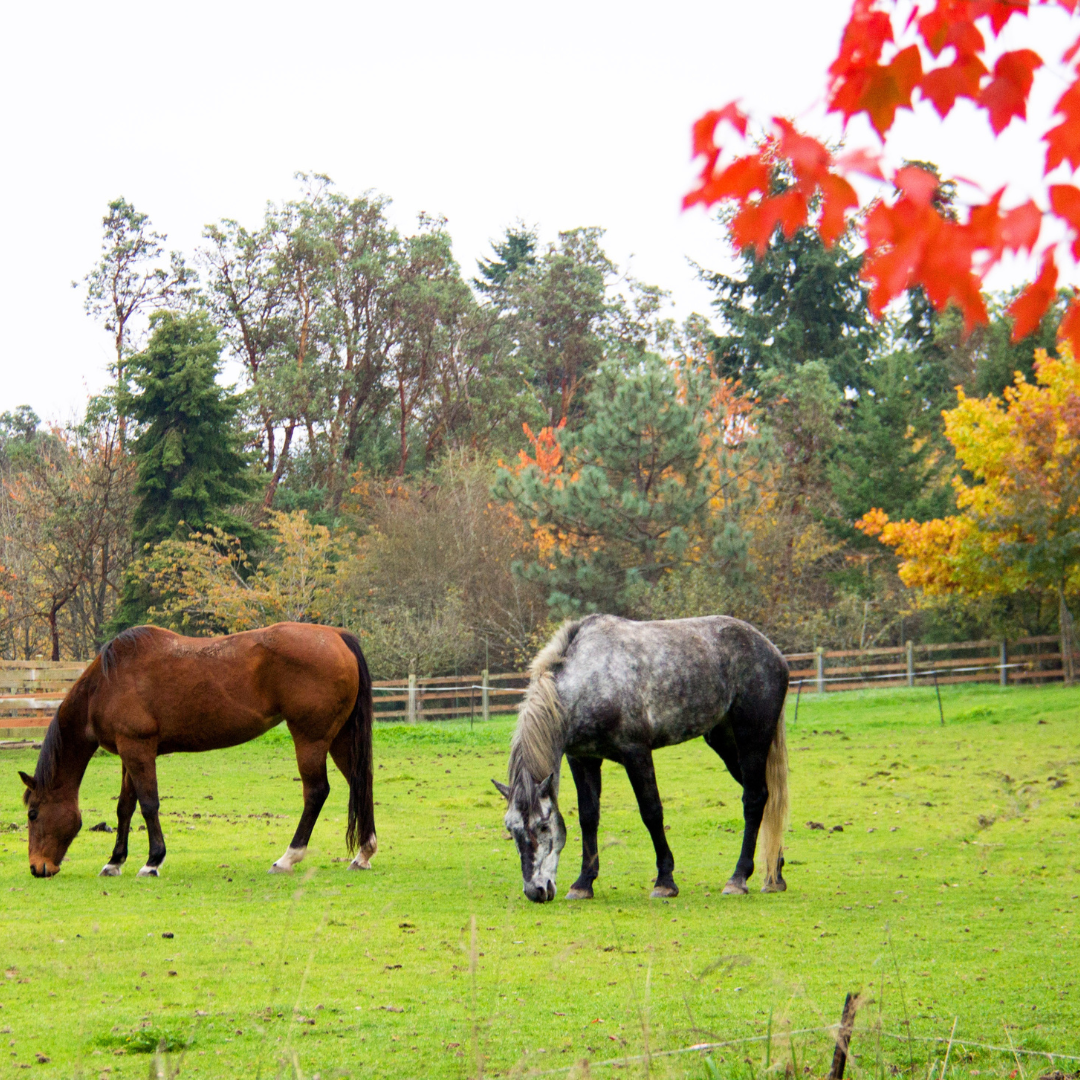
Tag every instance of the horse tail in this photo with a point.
(774, 820)
(540, 714)
(361, 831)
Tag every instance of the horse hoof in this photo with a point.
(359, 864)
(662, 892)
(735, 888)
(576, 893)
(774, 886)
(147, 871)
(278, 869)
(110, 870)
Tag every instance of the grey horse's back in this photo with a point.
(666, 681)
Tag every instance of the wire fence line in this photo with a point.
(916, 673)
(832, 1029)
(1051, 1054)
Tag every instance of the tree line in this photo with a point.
(449, 464)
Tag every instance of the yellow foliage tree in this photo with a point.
(1019, 522)
(208, 584)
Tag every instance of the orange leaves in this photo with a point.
(1005, 96)
(742, 178)
(1063, 141)
(939, 50)
(861, 83)
(910, 243)
(1030, 306)
(878, 89)
(1065, 202)
(944, 85)
(748, 181)
(546, 450)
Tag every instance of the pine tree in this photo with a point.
(516, 250)
(634, 489)
(191, 466)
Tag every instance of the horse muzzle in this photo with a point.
(44, 869)
(540, 894)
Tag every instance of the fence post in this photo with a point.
(910, 662)
(1004, 676)
(820, 661)
(412, 698)
(485, 707)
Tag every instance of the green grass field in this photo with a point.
(950, 895)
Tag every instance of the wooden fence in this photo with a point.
(30, 690)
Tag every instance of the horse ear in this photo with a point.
(27, 780)
(503, 790)
(545, 788)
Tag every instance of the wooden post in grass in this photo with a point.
(910, 663)
(485, 706)
(843, 1038)
(820, 662)
(412, 698)
(1003, 677)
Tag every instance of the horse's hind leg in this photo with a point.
(341, 753)
(639, 768)
(140, 766)
(311, 762)
(125, 807)
(755, 795)
(586, 773)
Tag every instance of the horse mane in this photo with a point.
(125, 643)
(49, 758)
(537, 741)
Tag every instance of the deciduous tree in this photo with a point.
(1018, 525)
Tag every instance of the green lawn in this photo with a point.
(951, 893)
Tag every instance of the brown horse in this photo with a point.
(152, 692)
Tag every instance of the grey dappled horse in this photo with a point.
(606, 687)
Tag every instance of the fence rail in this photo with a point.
(31, 689)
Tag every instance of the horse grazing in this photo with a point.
(606, 687)
(152, 692)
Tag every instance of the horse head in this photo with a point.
(533, 820)
(55, 821)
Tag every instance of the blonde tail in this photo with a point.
(774, 820)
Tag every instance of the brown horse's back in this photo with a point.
(194, 694)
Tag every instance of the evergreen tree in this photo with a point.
(191, 467)
(633, 489)
(516, 250)
(883, 457)
(800, 301)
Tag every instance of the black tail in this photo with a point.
(361, 798)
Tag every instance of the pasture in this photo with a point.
(949, 893)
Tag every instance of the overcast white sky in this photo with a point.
(561, 114)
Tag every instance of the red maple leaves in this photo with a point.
(790, 180)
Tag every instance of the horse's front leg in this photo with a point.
(140, 765)
(311, 763)
(586, 773)
(639, 768)
(125, 807)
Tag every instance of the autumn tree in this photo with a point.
(65, 508)
(1018, 525)
(207, 583)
